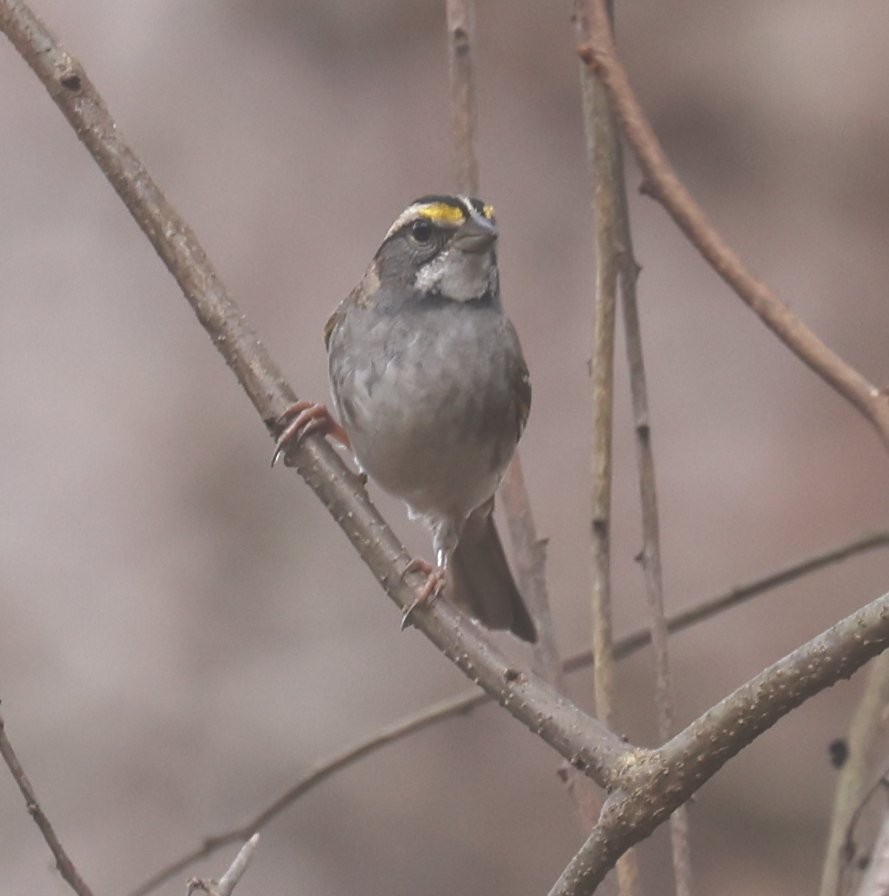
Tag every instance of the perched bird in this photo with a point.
(432, 394)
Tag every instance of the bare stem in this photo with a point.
(461, 27)
(664, 780)
(650, 555)
(462, 704)
(876, 878)
(529, 549)
(320, 772)
(66, 867)
(866, 725)
(644, 786)
(661, 182)
(604, 161)
(226, 884)
(601, 160)
(583, 741)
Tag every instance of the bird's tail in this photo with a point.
(481, 581)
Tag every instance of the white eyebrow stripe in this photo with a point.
(408, 214)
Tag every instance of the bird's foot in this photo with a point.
(302, 419)
(432, 588)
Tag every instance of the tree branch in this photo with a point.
(864, 730)
(582, 740)
(460, 16)
(603, 161)
(666, 778)
(645, 785)
(466, 702)
(226, 884)
(875, 881)
(528, 549)
(63, 862)
(320, 772)
(650, 555)
(663, 184)
(461, 704)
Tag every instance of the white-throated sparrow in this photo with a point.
(432, 394)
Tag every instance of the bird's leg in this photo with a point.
(444, 540)
(307, 417)
(432, 587)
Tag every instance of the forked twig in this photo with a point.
(468, 701)
(226, 884)
(669, 775)
(644, 785)
(581, 739)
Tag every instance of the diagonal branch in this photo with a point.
(582, 740)
(466, 702)
(63, 861)
(645, 785)
(320, 772)
(668, 776)
(662, 182)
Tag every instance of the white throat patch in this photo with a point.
(461, 276)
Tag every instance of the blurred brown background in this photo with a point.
(183, 632)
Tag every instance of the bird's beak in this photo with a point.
(476, 235)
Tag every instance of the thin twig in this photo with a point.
(866, 726)
(229, 880)
(461, 27)
(668, 776)
(319, 773)
(650, 555)
(864, 796)
(528, 549)
(875, 881)
(714, 605)
(601, 164)
(644, 785)
(661, 182)
(577, 737)
(461, 704)
(226, 884)
(603, 159)
(63, 861)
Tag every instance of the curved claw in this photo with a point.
(434, 585)
(308, 417)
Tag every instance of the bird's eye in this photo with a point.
(421, 231)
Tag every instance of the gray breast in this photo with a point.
(426, 397)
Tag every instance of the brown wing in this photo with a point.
(362, 295)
